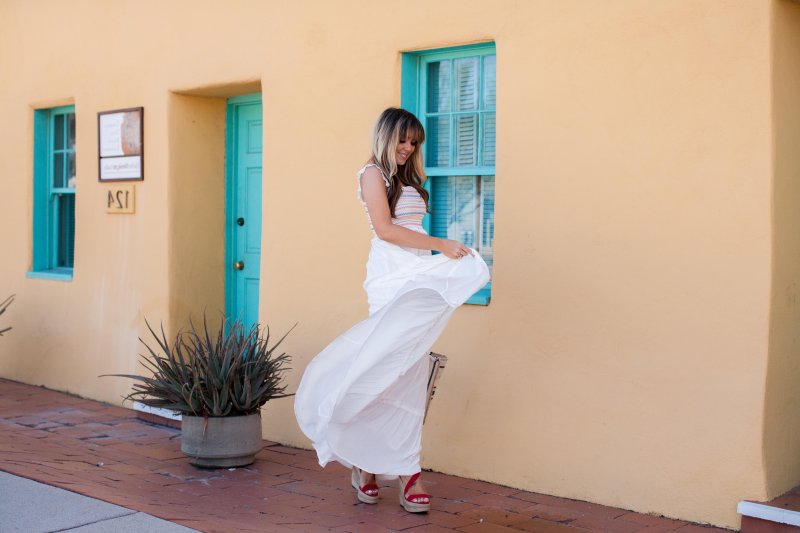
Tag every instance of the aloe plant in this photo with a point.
(233, 372)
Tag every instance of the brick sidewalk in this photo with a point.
(105, 452)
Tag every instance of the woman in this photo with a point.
(362, 399)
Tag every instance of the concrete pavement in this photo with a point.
(31, 507)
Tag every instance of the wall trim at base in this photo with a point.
(163, 413)
(767, 512)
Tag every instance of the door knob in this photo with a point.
(240, 221)
(238, 265)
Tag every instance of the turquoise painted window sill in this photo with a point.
(482, 297)
(58, 274)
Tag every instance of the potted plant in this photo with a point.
(217, 383)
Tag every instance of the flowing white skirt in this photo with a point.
(361, 401)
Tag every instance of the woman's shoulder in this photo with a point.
(370, 170)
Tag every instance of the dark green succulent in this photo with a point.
(234, 372)
(3, 306)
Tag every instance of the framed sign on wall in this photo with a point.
(120, 137)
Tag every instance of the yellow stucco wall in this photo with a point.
(782, 405)
(624, 356)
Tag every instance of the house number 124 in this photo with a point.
(120, 199)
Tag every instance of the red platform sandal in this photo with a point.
(366, 494)
(413, 503)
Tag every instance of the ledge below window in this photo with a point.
(58, 274)
(482, 297)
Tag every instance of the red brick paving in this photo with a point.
(106, 452)
(755, 525)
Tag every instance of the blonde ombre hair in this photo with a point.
(392, 126)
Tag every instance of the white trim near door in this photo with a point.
(769, 513)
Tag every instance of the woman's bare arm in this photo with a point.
(373, 191)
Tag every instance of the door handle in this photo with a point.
(238, 265)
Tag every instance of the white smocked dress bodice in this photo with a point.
(410, 208)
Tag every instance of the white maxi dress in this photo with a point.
(361, 400)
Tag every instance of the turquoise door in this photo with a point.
(243, 208)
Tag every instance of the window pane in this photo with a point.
(437, 138)
(58, 132)
(441, 208)
(466, 140)
(66, 230)
(58, 169)
(439, 86)
(455, 208)
(464, 227)
(489, 82)
(459, 212)
(71, 170)
(487, 155)
(71, 134)
(466, 84)
(486, 247)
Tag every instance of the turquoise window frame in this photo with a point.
(46, 230)
(413, 93)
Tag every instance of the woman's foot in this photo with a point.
(413, 497)
(364, 483)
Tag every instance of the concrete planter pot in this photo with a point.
(224, 442)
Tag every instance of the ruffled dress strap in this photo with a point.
(361, 172)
